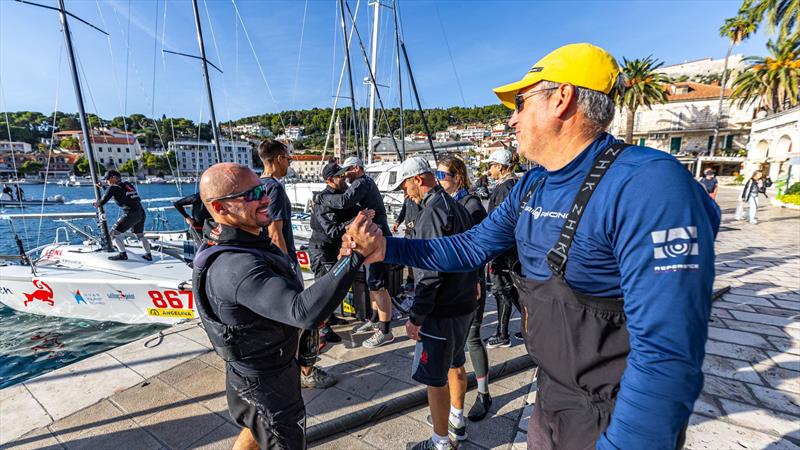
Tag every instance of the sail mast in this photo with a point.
(399, 83)
(349, 77)
(207, 80)
(373, 77)
(87, 140)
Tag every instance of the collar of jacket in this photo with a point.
(431, 195)
(219, 234)
(460, 194)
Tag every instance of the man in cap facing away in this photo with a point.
(364, 193)
(443, 308)
(133, 215)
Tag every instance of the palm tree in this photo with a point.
(773, 81)
(736, 29)
(643, 87)
(781, 15)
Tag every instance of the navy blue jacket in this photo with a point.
(647, 235)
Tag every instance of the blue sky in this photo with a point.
(491, 43)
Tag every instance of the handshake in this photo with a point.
(365, 237)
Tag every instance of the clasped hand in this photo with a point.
(365, 237)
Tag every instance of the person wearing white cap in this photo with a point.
(364, 193)
(501, 169)
(443, 308)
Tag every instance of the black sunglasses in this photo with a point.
(253, 194)
(519, 99)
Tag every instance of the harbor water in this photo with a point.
(31, 345)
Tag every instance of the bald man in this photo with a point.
(253, 304)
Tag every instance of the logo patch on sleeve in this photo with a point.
(674, 242)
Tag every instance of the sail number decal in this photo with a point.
(169, 303)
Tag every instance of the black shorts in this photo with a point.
(270, 405)
(376, 276)
(131, 219)
(441, 349)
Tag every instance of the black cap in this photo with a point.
(112, 173)
(330, 170)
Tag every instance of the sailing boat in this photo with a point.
(78, 281)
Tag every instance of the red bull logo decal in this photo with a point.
(43, 293)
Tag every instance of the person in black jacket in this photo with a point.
(364, 193)
(443, 309)
(327, 227)
(452, 176)
(501, 168)
(198, 216)
(253, 306)
(133, 215)
(408, 214)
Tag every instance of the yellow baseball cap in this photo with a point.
(584, 65)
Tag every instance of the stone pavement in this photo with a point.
(172, 396)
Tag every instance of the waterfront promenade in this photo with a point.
(171, 395)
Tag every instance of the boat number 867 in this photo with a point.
(171, 299)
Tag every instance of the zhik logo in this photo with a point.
(537, 213)
(674, 242)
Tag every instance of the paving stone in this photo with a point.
(344, 441)
(148, 398)
(707, 434)
(359, 381)
(730, 368)
(786, 345)
(780, 378)
(197, 335)
(150, 361)
(102, 426)
(492, 432)
(788, 304)
(785, 360)
(720, 313)
(759, 328)
(520, 441)
(220, 439)
(40, 438)
(735, 351)
(771, 422)
(206, 386)
(723, 387)
(396, 432)
(334, 403)
(98, 377)
(736, 306)
(705, 405)
(746, 300)
(395, 388)
(19, 413)
(767, 319)
(183, 371)
(179, 426)
(519, 380)
(525, 417)
(212, 359)
(779, 400)
(778, 312)
(737, 337)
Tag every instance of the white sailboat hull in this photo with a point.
(75, 281)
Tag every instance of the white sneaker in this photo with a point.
(378, 339)
(366, 327)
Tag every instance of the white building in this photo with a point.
(442, 136)
(195, 157)
(308, 166)
(705, 67)
(775, 145)
(7, 146)
(684, 126)
(112, 150)
(293, 133)
(252, 129)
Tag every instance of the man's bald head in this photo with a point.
(224, 179)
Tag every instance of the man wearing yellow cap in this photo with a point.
(616, 248)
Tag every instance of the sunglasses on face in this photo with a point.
(519, 99)
(441, 174)
(253, 194)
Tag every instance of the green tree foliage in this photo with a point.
(82, 167)
(782, 16)
(643, 88)
(773, 81)
(31, 167)
(128, 167)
